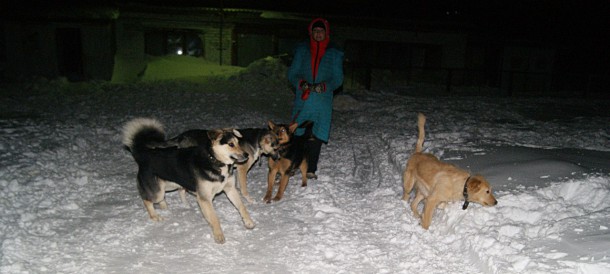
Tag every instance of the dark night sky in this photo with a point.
(549, 13)
(579, 21)
(564, 12)
(540, 14)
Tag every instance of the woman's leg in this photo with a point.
(313, 148)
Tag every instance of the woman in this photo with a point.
(316, 72)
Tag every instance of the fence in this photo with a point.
(452, 81)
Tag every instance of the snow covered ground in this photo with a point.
(69, 204)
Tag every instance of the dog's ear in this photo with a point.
(478, 183)
(214, 134)
(292, 127)
(271, 124)
(474, 184)
(237, 133)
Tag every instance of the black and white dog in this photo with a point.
(205, 170)
(254, 141)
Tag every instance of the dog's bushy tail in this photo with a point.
(421, 121)
(139, 132)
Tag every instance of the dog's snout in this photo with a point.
(240, 158)
(492, 202)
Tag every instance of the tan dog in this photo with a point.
(437, 182)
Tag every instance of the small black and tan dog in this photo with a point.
(292, 156)
(254, 141)
(205, 170)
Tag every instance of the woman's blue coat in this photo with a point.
(319, 106)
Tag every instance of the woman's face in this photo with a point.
(318, 34)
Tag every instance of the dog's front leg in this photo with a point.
(283, 183)
(270, 182)
(233, 196)
(204, 199)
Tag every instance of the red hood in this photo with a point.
(317, 48)
(326, 26)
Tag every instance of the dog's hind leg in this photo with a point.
(151, 191)
(234, 197)
(168, 186)
(182, 193)
(150, 208)
(418, 198)
(162, 203)
(204, 199)
(303, 168)
(242, 177)
(408, 180)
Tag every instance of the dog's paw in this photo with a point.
(277, 199)
(249, 199)
(219, 239)
(163, 205)
(267, 199)
(425, 224)
(156, 218)
(249, 224)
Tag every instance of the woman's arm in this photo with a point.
(295, 71)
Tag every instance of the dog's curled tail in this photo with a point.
(421, 121)
(140, 131)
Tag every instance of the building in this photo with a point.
(444, 56)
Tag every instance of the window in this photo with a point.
(173, 42)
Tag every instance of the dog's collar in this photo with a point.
(283, 148)
(230, 168)
(466, 194)
(215, 161)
